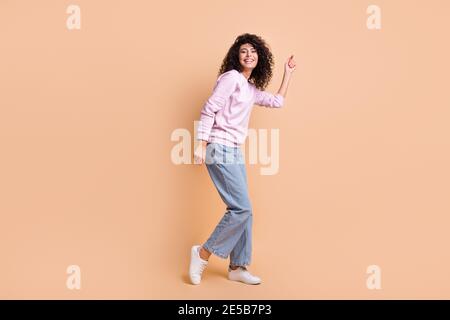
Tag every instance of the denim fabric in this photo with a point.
(233, 234)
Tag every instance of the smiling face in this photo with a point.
(248, 57)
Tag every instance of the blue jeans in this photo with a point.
(233, 234)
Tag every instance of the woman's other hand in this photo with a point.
(200, 153)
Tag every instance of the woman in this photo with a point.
(245, 72)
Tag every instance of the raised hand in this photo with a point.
(290, 64)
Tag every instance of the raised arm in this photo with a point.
(267, 99)
(289, 67)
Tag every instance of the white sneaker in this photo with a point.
(243, 275)
(197, 265)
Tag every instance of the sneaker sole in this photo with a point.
(249, 283)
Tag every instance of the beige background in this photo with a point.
(86, 176)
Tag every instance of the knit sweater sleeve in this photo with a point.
(267, 99)
(225, 85)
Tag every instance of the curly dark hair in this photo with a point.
(262, 73)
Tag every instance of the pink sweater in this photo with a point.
(225, 116)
